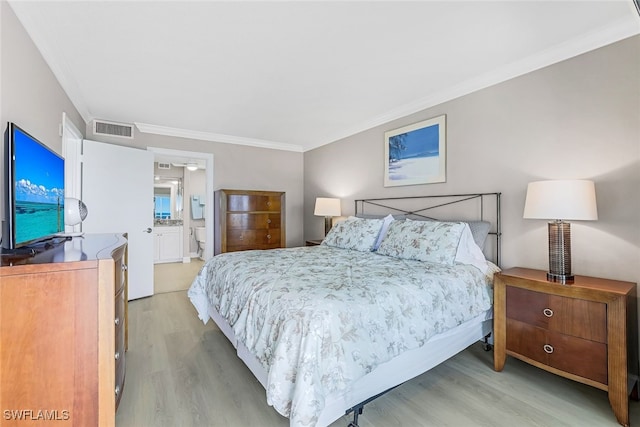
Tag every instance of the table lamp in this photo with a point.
(561, 200)
(328, 208)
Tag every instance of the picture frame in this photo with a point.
(416, 154)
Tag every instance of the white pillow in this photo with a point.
(469, 252)
(387, 220)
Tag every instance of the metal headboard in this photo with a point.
(391, 205)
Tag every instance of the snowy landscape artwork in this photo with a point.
(416, 154)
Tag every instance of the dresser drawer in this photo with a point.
(578, 356)
(253, 221)
(119, 355)
(253, 202)
(253, 238)
(570, 316)
(120, 371)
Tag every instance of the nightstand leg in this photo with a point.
(499, 325)
(618, 392)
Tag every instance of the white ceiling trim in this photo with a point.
(618, 31)
(215, 137)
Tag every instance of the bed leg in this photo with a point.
(486, 345)
(357, 411)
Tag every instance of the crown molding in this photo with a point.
(215, 137)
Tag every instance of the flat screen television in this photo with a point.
(34, 190)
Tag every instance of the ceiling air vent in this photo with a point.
(121, 130)
(164, 165)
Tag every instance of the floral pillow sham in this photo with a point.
(432, 241)
(358, 234)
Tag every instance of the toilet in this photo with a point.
(200, 234)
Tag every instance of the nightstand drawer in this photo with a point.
(582, 357)
(570, 316)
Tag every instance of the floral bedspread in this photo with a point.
(318, 318)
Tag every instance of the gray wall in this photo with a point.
(576, 119)
(30, 94)
(240, 167)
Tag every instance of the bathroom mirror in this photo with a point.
(167, 198)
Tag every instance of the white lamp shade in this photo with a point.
(74, 211)
(561, 200)
(326, 206)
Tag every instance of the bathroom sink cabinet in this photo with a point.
(167, 244)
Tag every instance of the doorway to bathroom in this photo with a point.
(183, 216)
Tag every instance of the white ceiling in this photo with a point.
(298, 75)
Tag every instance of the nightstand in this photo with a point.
(313, 242)
(586, 331)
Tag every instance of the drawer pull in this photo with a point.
(117, 390)
(268, 236)
(268, 221)
(548, 348)
(117, 356)
(117, 321)
(124, 267)
(547, 312)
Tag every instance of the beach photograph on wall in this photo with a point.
(416, 154)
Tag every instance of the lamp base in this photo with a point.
(328, 223)
(560, 253)
(565, 279)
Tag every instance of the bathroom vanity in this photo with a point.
(167, 243)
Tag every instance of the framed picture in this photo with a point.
(416, 154)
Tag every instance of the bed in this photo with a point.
(385, 298)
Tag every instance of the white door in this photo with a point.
(117, 187)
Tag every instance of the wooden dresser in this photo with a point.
(249, 220)
(585, 331)
(63, 333)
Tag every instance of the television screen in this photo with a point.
(36, 177)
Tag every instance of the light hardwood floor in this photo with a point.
(183, 373)
(175, 276)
